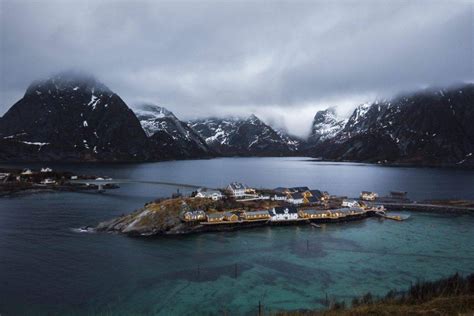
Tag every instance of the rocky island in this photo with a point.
(239, 206)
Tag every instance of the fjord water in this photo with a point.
(47, 267)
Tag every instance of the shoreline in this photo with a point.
(308, 158)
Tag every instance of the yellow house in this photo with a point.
(310, 214)
(368, 196)
(215, 217)
(253, 215)
(230, 217)
(194, 216)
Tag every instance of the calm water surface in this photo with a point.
(48, 268)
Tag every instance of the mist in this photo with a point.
(282, 61)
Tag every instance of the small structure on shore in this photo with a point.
(350, 203)
(230, 217)
(45, 170)
(27, 172)
(209, 193)
(256, 215)
(238, 191)
(215, 217)
(368, 196)
(284, 213)
(314, 214)
(295, 198)
(48, 181)
(279, 197)
(194, 216)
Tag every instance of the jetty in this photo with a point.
(427, 207)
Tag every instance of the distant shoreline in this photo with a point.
(306, 159)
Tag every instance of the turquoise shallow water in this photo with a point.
(46, 268)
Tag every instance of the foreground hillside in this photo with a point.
(450, 296)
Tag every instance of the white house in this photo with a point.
(48, 181)
(239, 190)
(350, 203)
(46, 170)
(279, 197)
(368, 196)
(209, 193)
(27, 172)
(284, 213)
(4, 176)
(295, 198)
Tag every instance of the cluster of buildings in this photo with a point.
(299, 195)
(276, 214)
(242, 192)
(27, 175)
(296, 204)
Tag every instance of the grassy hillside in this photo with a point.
(450, 296)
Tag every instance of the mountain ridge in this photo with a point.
(74, 117)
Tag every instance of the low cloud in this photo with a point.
(280, 60)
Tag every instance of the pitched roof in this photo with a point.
(215, 215)
(237, 186)
(196, 212)
(280, 189)
(313, 199)
(316, 193)
(263, 212)
(297, 195)
(299, 189)
(347, 200)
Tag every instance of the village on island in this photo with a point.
(289, 205)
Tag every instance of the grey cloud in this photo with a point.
(280, 60)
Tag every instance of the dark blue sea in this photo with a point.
(47, 267)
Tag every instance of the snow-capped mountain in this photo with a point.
(242, 137)
(74, 117)
(294, 143)
(71, 116)
(429, 127)
(325, 125)
(170, 136)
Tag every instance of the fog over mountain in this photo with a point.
(282, 61)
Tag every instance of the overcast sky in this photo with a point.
(281, 60)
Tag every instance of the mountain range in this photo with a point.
(74, 117)
(427, 127)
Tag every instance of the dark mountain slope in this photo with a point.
(170, 136)
(71, 117)
(429, 128)
(243, 137)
